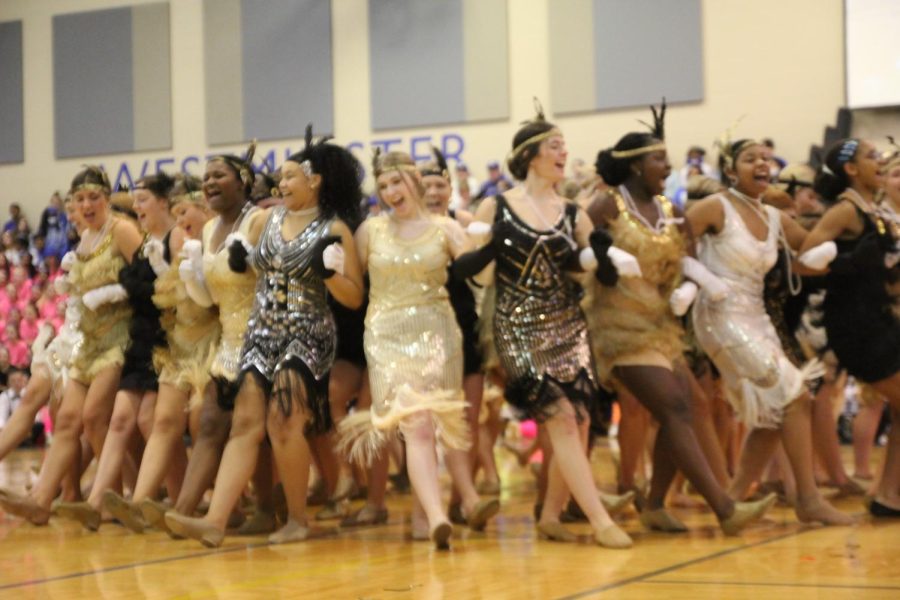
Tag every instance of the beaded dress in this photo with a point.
(232, 293)
(632, 323)
(736, 332)
(104, 331)
(540, 332)
(412, 342)
(192, 336)
(291, 325)
(861, 326)
(53, 359)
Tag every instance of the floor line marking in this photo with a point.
(775, 584)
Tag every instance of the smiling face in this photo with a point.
(397, 189)
(93, 206)
(191, 217)
(298, 190)
(653, 169)
(865, 169)
(222, 186)
(437, 194)
(150, 210)
(750, 173)
(550, 162)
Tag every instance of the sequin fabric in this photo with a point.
(290, 318)
(412, 342)
(540, 332)
(634, 317)
(233, 294)
(737, 333)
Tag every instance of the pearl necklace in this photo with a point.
(661, 220)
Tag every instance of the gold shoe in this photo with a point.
(293, 531)
(154, 513)
(614, 504)
(612, 537)
(198, 529)
(481, 512)
(123, 511)
(555, 532)
(260, 522)
(745, 513)
(24, 506)
(440, 535)
(83, 512)
(367, 515)
(662, 520)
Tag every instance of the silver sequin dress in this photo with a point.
(737, 333)
(540, 331)
(291, 325)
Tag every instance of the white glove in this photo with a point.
(588, 260)
(61, 285)
(107, 294)
(154, 251)
(192, 250)
(714, 287)
(626, 264)
(477, 228)
(333, 258)
(682, 298)
(67, 261)
(819, 256)
(238, 237)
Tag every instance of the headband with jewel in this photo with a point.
(101, 185)
(243, 167)
(436, 167)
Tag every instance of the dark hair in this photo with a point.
(518, 162)
(832, 182)
(160, 185)
(242, 167)
(729, 155)
(615, 171)
(270, 184)
(340, 195)
(91, 175)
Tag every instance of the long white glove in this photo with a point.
(333, 258)
(62, 285)
(154, 251)
(819, 257)
(626, 264)
(477, 228)
(107, 294)
(67, 261)
(682, 298)
(587, 258)
(191, 273)
(714, 287)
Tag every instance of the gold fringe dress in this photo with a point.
(192, 335)
(412, 341)
(632, 323)
(233, 293)
(104, 331)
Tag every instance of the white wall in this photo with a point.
(778, 63)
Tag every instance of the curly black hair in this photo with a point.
(340, 194)
(832, 182)
(615, 171)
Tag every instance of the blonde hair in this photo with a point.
(400, 162)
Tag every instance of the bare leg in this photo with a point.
(758, 449)
(421, 462)
(18, 427)
(165, 456)
(121, 426)
(865, 425)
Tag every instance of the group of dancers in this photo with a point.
(303, 333)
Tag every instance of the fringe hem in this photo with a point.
(763, 408)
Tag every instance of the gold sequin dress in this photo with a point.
(104, 331)
(233, 294)
(412, 341)
(632, 323)
(192, 335)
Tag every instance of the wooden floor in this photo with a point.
(775, 559)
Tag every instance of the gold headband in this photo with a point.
(638, 151)
(730, 155)
(401, 167)
(93, 187)
(540, 137)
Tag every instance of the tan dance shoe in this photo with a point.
(198, 529)
(83, 512)
(555, 532)
(481, 512)
(662, 520)
(123, 511)
(747, 512)
(612, 537)
(440, 535)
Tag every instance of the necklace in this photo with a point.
(90, 240)
(304, 212)
(630, 204)
(566, 233)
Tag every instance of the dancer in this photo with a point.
(107, 245)
(856, 240)
(304, 251)
(740, 237)
(641, 345)
(539, 330)
(413, 344)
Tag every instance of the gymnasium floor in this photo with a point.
(777, 558)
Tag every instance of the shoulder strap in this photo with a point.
(500, 200)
